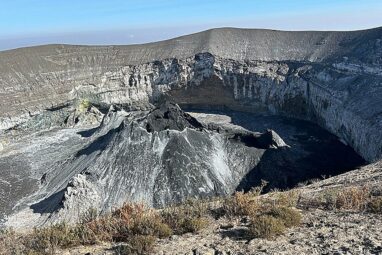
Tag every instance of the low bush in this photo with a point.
(84, 105)
(289, 216)
(137, 244)
(136, 220)
(266, 226)
(375, 205)
(105, 228)
(287, 198)
(188, 217)
(240, 204)
(352, 198)
(12, 243)
(194, 225)
(243, 204)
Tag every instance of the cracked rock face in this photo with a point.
(55, 100)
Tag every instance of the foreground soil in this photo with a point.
(322, 232)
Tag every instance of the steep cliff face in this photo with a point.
(331, 78)
(342, 101)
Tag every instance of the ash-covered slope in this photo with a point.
(158, 158)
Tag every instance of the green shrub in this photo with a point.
(84, 105)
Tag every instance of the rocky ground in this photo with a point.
(322, 232)
(332, 79)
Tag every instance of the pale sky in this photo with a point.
(36, 22)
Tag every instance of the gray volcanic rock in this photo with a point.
(140, 150)
(169, 116)
(172, 160)
(122, 160)
(331, 78)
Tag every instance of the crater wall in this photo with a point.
(331, 78)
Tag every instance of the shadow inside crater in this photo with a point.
(100, 143)
(313, 152)
(88, 133)
(236, 234)
(50, 204)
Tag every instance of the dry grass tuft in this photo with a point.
(188, 217)
(289, 216)
(240, 204)
(273, 221)
(266, 226)
(12, 243)
(375, 205)
(243, 204)
(352, 198)
(138, 244)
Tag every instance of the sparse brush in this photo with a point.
(289, 216)
(240, 204)
(194, 225)
(128, 212)
(243, 204)
(134, 220)
(48, 240)
(345, 198)
(375, 205)
(150, 225)
(105, 228)
(137, 245)
(84, 234)
(188, 217)
(266, 226)
(288, 198)
(353, 198)
(138, 226)
(12, 243)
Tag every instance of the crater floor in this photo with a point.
(313, 152)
